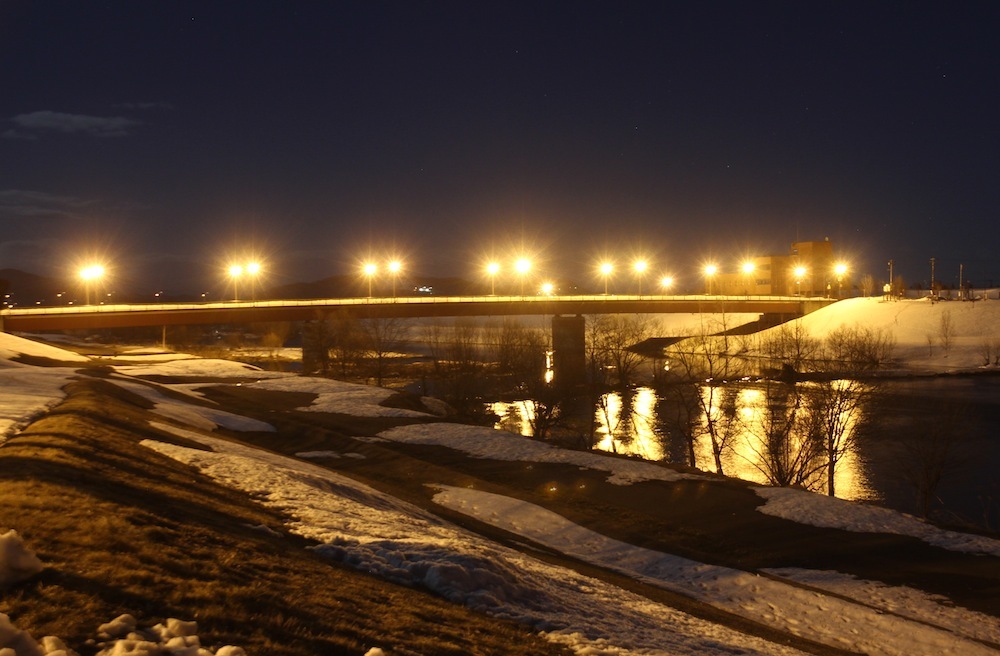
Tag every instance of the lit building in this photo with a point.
(807, 270)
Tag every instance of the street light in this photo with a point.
(253, 270)
(369, 269)
(710, 270)
(522, 266)
(640, 266)
(666, 282)
(90, 275)
(547, 289)
(394, 268)
(748, 269)
(839, 269)
(492, 269)
(606, 270)
(800, 272)
(235, 271)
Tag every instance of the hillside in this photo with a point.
(945, 336)
(293, 515)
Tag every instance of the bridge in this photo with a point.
(568, 314)
(93, 317)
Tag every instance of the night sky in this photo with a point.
(169, 136)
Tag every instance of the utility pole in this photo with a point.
(892, 283)
(961, 288)
(933, 294)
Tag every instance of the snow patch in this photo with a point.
(336, 396)
(830, 512)
(193, 415)
(17, 561)
(489, 443)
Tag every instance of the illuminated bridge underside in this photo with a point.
(122, 316)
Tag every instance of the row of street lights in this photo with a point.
(93, 273)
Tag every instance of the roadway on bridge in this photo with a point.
(39, 319)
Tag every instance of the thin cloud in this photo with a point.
(29, 125)
(25, 204)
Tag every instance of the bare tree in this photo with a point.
(790, 344)
(382, 336)
(838, 409)
(867, 285)
(781, 437)
(708, 362)
(610, 340)
(518, 350)
(345, 340)
(855, 349)
(946, 331)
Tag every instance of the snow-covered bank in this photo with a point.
(374, 532)
(930, 336)
(873, 629)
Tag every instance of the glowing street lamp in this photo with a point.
(710, 270)
(666, 282)
(253, 270)
(748, 269)
(90, 275)
(839, 270)
(800, 273)
(547, 289)
(607, 268)
(235, 271)
(394, 268)
(492, 269)
(522, 266)
(369, 269)
(640, 266)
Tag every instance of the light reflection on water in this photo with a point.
(631, 425)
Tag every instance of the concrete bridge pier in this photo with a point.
(569, 350)
(315, 346)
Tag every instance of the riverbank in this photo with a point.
(222, 482)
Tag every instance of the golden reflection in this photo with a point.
(743, 457)
(514, 417)
(627, 425)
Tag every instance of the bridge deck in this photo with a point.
(120, 316)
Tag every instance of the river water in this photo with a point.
(916, 423)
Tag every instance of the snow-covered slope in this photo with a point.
(918, 327)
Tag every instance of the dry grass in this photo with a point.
(123, 529)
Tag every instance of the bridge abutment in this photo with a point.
(569, 350)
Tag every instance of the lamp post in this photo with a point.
(839, 270)
(394, 268)
(492, 269)
(522, 266)
(253, 270)
(748, 269)
(606, 269)
(640, 267)
(666, 282)
(90, 275)
(369, 269)
(800, 272)
(235, 271)
(710, 270)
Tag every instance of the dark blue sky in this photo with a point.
(169, 134)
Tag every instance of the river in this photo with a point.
(917, 424)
